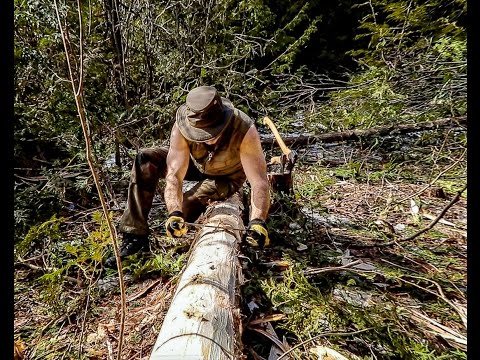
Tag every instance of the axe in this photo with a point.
(289, 156)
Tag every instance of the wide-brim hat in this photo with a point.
(204, 115)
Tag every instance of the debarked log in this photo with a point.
(203, 320)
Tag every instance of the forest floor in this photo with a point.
(368, 261)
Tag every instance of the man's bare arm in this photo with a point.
(177, 164)
(255, 167)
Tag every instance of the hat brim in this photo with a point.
(203, 134)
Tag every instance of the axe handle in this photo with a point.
(271, 125)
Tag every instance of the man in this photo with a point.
(213, 143)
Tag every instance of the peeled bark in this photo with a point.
(203, 319)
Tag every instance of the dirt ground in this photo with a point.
(348, 228)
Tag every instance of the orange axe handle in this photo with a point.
(271, 125)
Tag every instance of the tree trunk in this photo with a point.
(203, 319)
(114, 30)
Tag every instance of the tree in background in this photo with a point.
(413, 69)
(275, 57)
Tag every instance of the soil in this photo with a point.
(351, 229)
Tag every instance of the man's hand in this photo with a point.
(257, 234)
(175, 225)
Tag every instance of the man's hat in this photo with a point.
(204, 115)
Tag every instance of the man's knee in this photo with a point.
(155, 155)
(151, 162)
(192, 207)
(149, 167)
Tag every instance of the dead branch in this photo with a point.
(440, 294)
(334, 268)
(459, 341)
(148, 288)
(356, 135)
(434, 180)
(437, 219)
(70, 279)
(274, 339)
(322, 335)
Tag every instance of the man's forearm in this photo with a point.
(173, 194)
(260, 201)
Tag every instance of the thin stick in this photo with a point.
(440, 294)
(433, 181)
(320, 335)
(333, 268)
(78, 95)
(437, 219)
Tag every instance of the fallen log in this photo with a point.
(203, 320)
(365, 133)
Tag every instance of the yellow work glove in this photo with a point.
(175, 225)
(257, 234)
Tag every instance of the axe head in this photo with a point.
(282, 182)
(286, 162)
(290, 160)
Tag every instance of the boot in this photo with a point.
(131, 244)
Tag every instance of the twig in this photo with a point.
(437, 219)
(433, 181)
(334, 268)
(274, 339)
(268, 318)
(320, 335)
(84, 321)
(144, 291)
(399, 266)
(438, 328)
(440, 294)
(50, 269)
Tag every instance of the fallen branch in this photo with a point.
(70, 279)
(437, 219)
(334, 268)
(434, 180)
(364, 133)
(144, 291)
(274, 339)
(268, 318)
(322, 335)
(461, 313)
(459, 340)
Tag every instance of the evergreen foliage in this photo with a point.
(329, 65)
(139, 61)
